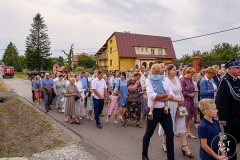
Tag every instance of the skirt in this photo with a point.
(38, 93)
(133, 110)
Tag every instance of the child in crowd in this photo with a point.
(63, 100)
(89, 104)
(209, 132)
(113, 105)
(157, 83)
(194, 78)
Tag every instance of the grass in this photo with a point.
(21, 75)
(24, 131)
(3, 87)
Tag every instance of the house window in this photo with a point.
(152, 51)
(138, 49)
(142, 49)
(106, 54)
(110, 62)
(146, 50)
(159, 51)
(111, 50)
(110, 41)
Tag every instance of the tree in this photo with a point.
(11, 56)
(60, 60)
(86, 61)
(69, 58)
(37, 45)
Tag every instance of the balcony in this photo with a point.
(101, 56)
(103, 68)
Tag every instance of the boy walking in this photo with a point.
(209, 132)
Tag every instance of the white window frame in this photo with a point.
(152, 51)
(111, 64)
(146, 49)
(111, 50)
(159, 51)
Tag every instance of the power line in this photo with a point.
(204, 35)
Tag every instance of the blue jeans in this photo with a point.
(98, 107)
(85, 99)
(167, 125)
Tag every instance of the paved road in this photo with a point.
(118, 142)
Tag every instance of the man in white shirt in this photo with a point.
(159, 116)
(142, 72)
(99, 92)
(131, 73)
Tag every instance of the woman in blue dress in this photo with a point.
(121, 85)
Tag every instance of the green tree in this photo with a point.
(37, 45)
(11, 56)
(60, 60)
(86, 61)
(69, 57)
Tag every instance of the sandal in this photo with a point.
(139, 125)
(123, 124)
(191, 136)
(185, 152)
(163, 147)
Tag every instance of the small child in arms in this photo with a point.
(157, 83)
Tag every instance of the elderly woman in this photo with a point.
(133, 101)
(37, 89)
(59, 86)
(123, 89)
(71, 91)
(79, 105)
(179, 126)
(188, 91)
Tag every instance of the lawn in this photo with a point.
(21, 75)
(3, 87)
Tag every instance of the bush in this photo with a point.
(79, 68)
(91, 72)
(105, 72)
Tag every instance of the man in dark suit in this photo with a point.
(228, 105)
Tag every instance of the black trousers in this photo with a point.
(33, 96)
(234, 131)
(167, 125)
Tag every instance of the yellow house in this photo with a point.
(123, 51)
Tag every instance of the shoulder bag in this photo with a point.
(181, 111)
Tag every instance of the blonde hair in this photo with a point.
(215, 66)
(136, 74)
(221, 72)
(190, 70)
(204, 104)
(210, 70)
(71, 79)
(115, 92)
(155, 69)
(37, 77)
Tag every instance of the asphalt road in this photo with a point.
(118, 142)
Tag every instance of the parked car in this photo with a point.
(35, 73)
(8, 72)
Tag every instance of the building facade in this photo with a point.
(123, 51)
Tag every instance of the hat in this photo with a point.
(233, 63)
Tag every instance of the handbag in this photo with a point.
(77, 97)
(181, 111)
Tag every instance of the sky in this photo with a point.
(89, 23)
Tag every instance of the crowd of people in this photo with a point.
(164, 95)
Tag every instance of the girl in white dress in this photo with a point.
(79, 106)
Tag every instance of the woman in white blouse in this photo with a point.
(79, 105)
(179, 126)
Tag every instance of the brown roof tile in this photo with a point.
(127, 41)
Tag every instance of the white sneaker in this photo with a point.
(116, 122)
(107, 120)
(120, 117)
(66, 120)
(80, 117)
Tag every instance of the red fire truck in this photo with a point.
(8, 72)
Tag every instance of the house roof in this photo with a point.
(60, 70)
(75, 58)
(126, 43)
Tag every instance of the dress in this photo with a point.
(113, 107)
(89, 102)
(133, 103)
(70, 103)
(60, 87)
(188, 88)
(123, 91)
(38, 91)
(79, 105)
(63, 100)
(195, 100)
(178, 122)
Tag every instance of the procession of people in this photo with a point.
(164, 95)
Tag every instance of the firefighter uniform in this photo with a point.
(228, 105)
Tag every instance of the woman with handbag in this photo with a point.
(37, 89)
(178, 117)
(59, 86)
(72, 94)
(188, 91)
